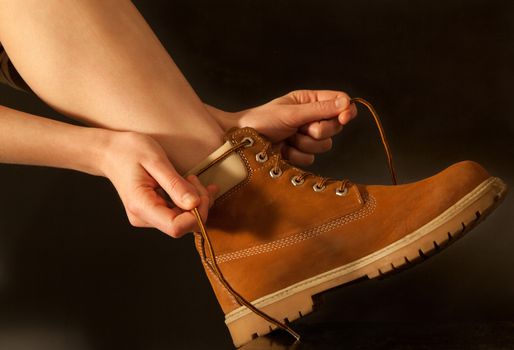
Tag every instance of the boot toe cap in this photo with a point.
(402, 209)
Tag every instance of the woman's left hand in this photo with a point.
(303, 122)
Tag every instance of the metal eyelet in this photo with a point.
(261, 157)
(249, 140)
(296, 182)
(275, 172)
(318, 188)
(342, 193)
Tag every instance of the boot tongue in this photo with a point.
(228, 172)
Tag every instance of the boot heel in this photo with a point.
(251, 326)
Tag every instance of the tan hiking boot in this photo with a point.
(281, 235)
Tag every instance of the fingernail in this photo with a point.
(340, 102)
(189, 199)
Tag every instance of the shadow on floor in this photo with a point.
(398, 336)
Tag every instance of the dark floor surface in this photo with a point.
(398, 335)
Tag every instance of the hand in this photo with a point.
(142, 174)
(302, 122)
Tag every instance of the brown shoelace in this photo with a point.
(206, 242)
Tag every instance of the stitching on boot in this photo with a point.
(368, 208)
(265, 165)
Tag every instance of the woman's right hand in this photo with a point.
(140, 170)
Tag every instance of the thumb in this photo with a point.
(181, 191)
(318, 110)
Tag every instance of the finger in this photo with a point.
(308, 96)
(307, 144)
(164, 196)
(211, 190)
(297, 157)
(181, 192)
(348, 114)
(203, 207)
(301, 114)
(137, 222)
(150, 209)
(183, 223)
(186, 221)
(322, 129)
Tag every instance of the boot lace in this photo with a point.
(207, 252)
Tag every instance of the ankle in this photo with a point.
(186, 148)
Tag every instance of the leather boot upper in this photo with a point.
(269, 234)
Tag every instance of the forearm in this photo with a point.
(99, 62)
(32, 140)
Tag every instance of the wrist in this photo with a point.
(94, 151)
(34, 140)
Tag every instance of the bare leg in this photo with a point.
(99, 62)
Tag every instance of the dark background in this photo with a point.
(75, 275)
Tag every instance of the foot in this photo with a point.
(281, 235)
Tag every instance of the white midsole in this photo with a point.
(447, 215)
